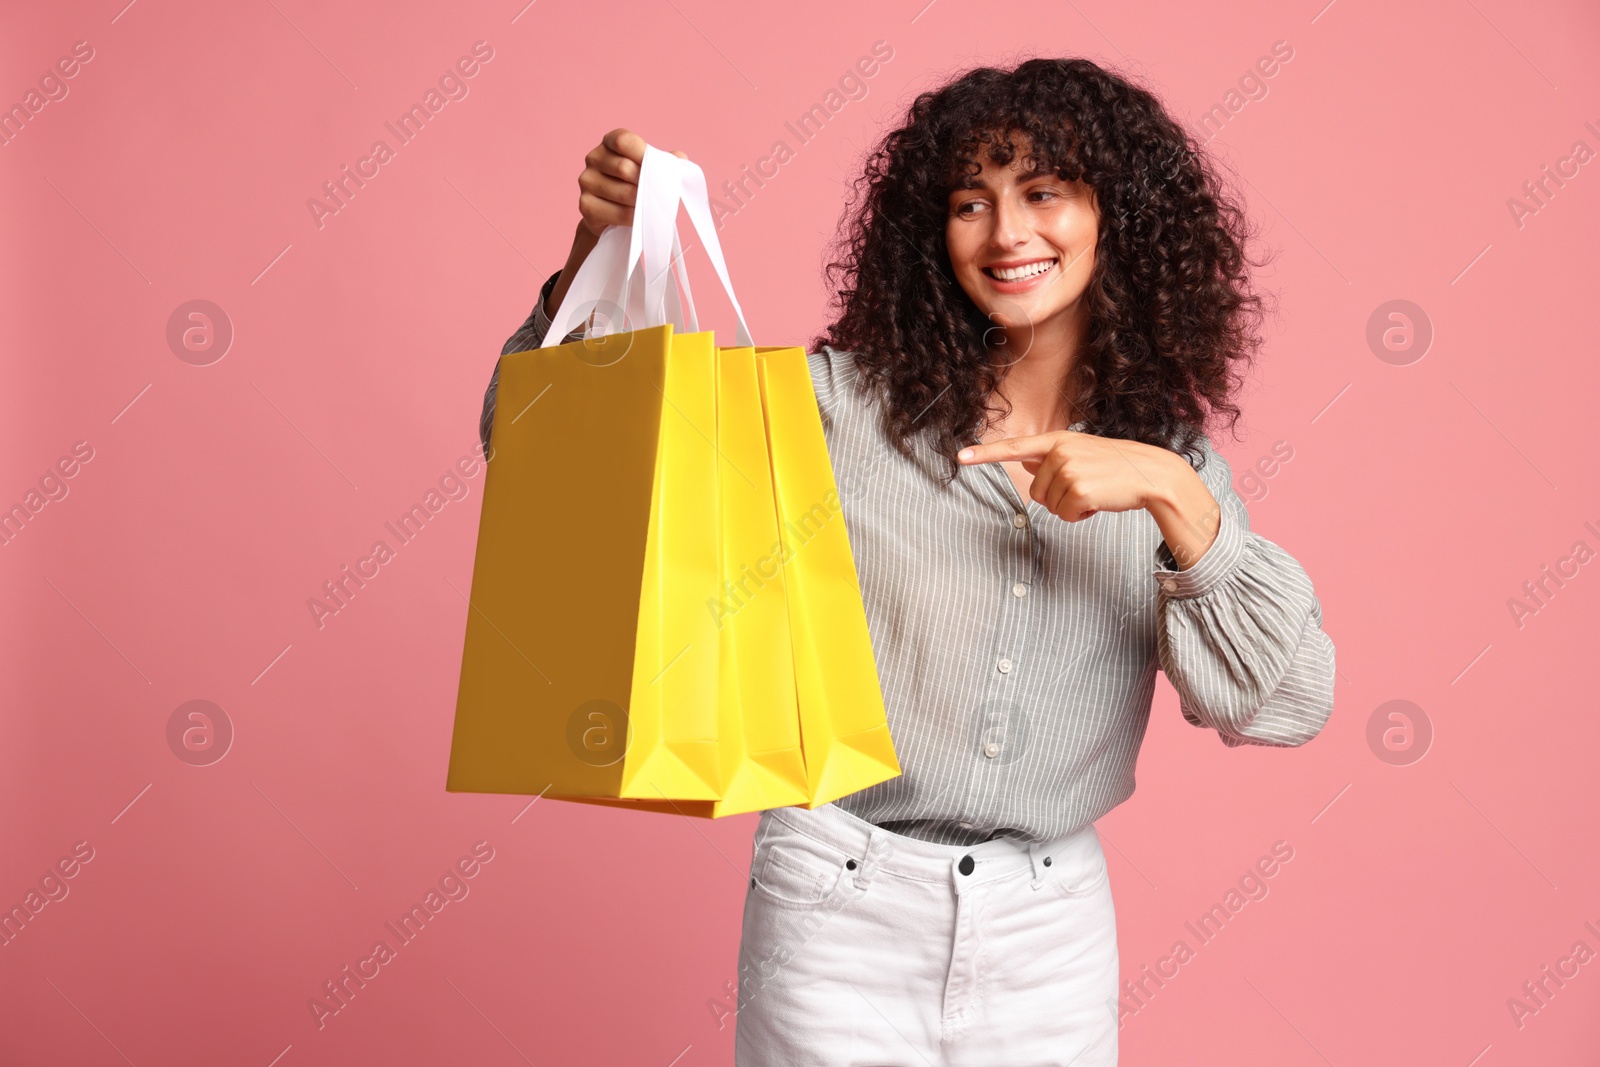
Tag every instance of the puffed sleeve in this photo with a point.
(1239, 632)
(529, 335)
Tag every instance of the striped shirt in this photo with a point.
(1017, 652)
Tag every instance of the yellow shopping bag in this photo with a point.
(759, 738)
(842, 717)
(658, 619)
(590, 665)
(758, 700)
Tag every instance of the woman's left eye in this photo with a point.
(1046, 192)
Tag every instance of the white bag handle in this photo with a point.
(604, 281)
(606, 274)
(680, 304)
(698, 204)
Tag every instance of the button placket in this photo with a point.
(1011, 633)
(1021, 556)
(1019, 590)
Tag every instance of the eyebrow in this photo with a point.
(970, 181)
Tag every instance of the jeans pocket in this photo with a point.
(1081, 878)
(797, 871)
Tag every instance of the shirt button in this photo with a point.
(1019, 520)
(991, 749)
(1005, 666)
(1019, 590)
(1169, 584)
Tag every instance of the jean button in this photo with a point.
(966, 865)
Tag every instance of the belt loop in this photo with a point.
(880, 846)
(1036, 853)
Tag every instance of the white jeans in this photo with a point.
(866, 948)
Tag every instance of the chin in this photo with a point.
(1024, 310)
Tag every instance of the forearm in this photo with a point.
(583, 242)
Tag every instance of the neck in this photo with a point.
(1034, 386)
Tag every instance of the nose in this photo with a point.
(1010, 225)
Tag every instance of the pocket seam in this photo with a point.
(786, 858)
(1069, 891)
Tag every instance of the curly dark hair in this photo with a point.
(1170, 308)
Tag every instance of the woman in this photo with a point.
(1042, 294)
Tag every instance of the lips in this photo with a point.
(1019, 272)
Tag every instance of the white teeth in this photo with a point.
(1012, 274)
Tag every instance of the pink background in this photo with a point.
(1420, 497)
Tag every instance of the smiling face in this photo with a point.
(1022, 246)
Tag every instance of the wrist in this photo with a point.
(1167, 486)
(1184, 509)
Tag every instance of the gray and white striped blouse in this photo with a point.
(1017, 652)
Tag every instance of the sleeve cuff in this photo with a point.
(1207, 572)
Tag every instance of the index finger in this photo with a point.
(1033, 446)
(626, 143)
